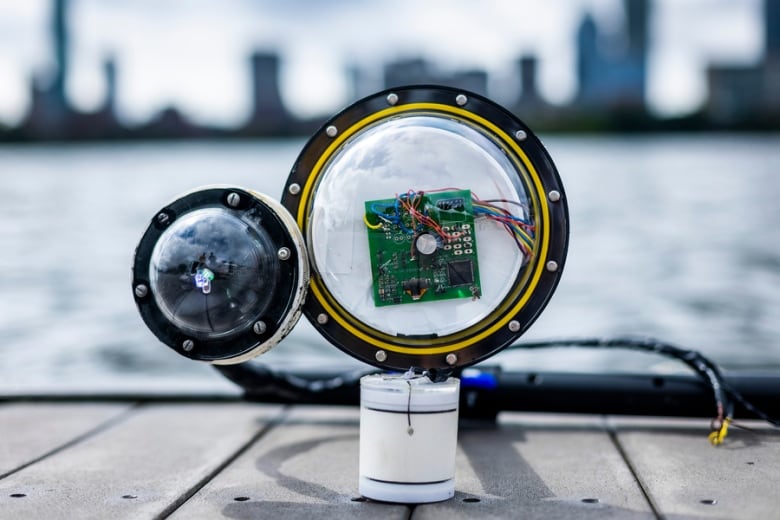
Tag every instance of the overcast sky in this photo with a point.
(193, 53)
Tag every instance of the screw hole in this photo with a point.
(709, 501)
(471, 500)
(590, 500)
(129, 496)
(18, 495)
(750, 463)
(534, 379)
(241, 499)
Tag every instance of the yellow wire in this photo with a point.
(369, 225)
(717, 436)
(524, 236)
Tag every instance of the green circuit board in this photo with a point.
(423, 247)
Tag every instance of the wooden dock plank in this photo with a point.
(686, 476)
(140, 468)
(30, 431)
(234, 460)
(306, 467)
(540, 466)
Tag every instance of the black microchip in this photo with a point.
(460, 272)
(456, 203)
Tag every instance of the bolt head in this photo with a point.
(331, 131)
(392, 98)
(381, 356)
(451, 359)
(283, 253)
(552, 266)
(461, 99)
(554, 196)
(233, 199)
(322, 318)
(163, 219)
(514, 326)
(521, 135)
(187, 345)
(141, 290)
(294, 188)
(259, 327)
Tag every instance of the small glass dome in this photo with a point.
(213, 272)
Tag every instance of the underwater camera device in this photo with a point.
(421, 230)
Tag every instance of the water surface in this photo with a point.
(676, 237)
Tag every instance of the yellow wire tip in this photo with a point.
(716, 437)
(371, 226)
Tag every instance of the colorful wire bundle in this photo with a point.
(521, 230)
(411, 203)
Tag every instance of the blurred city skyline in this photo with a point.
(258, 68)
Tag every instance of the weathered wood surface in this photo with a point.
(234, 460)
(143, 466)
(686, 478)
(306, 467)
(30, 432)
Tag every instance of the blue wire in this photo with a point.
(484, 211)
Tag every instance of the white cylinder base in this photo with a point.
(406, 493)
(408, 438)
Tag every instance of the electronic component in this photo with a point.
(423, 247)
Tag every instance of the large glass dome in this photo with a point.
(436, 227)
(423, 153)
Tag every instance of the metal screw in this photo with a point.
(294, 188)
(188, 345)
(554, 196)
(283, 253)
(552, 266)
(514, 326)
(461, 99)
(233, 199)
(163, 219)
(141, 290)
(259, 327)
(322, 318)
(520, 135)
(392, 98)
(331, 131)
(451, 359)
(381, 356)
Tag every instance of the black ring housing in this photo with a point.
(558, 224)
(244, 340)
